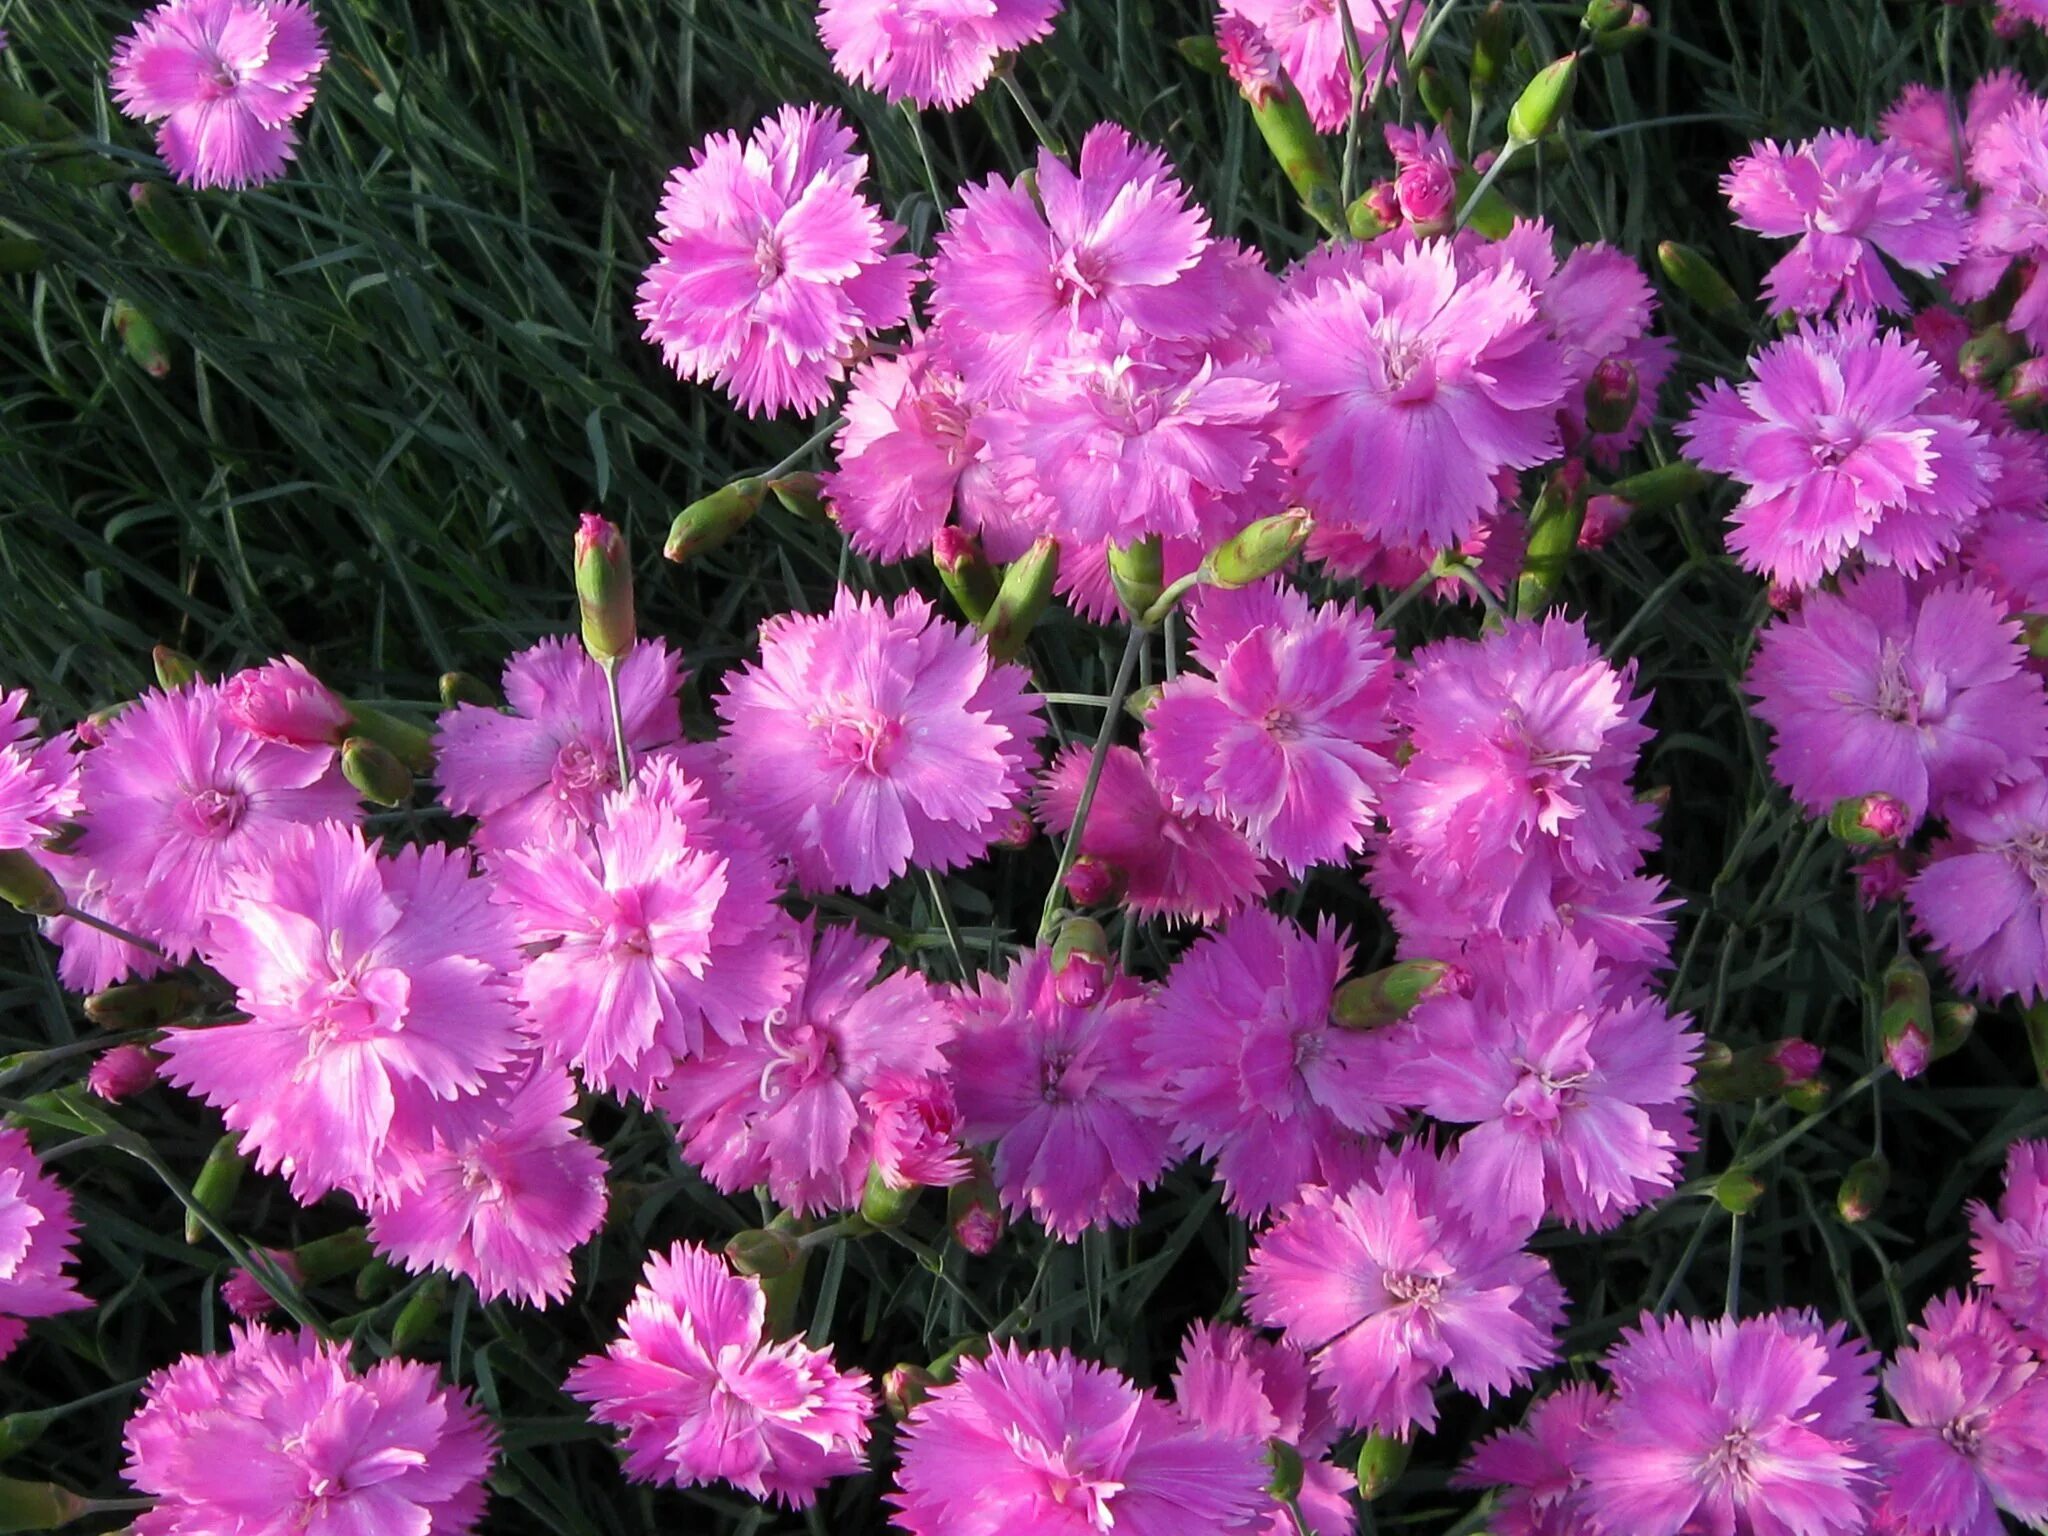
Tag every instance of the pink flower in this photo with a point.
(1562, 1076)
(1062, 1089)
(37, 1235)
(180, 798)
(1980, 899)
(244, 1295)
(660, 928)
(1755, 1428)
(1308, 35)
(1173, 863)
(2010, 1245)
(1924, 124)
(876, 737)
(1850, 202)
(1540, 1462)
(122, 1072)
(1599, 307)
(38, 779)
(910, 450)
(1884, 688)
(1041, 1442)
(89, 958)
(1249, 58)
(1389, 1285)
(281, 701)
(502, 1199)
(224, 80)
(1837, 433)
(378, 1001)
(1975, 1440)
(280, 1434)
(1405, 385)
(936, 53)
(913, 1130)
(771, 266)
(544, 768)
(780, 1104)
(2009, 162)
(704, 1395)
(1254, 1072)
(1289, 735)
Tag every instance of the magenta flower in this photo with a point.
(378, 997)
(1850, 203)
(281, 701)
(122, 1072)
(1922, 694)
(543, 769)
(913, 1130)
(1561, 1075)
(704, 1395)
(876, 737)
(771, 265)
(1538, 1465)
(224, 80)
(1405, 385)
(780, 1104)
(2010, 1245)
(660, 929)
(1760, 1427)
(1056, 1079)
(1389, 1285)
(1255, 1074)
(1980, 900)
(1038, 1441)
(1308, 37)
(1837, 432)
(280, 1434)
(1599, 307)
(936, 53)
(37, 1234)
(1925, 125)
(910, 451)
(1289, 736)
(2009, 163)
(180, 799)
(38, 779)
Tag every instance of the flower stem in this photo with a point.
(1052, 141)
(945, 911)
(611, 693)
(803, 450)
(924, 155)
(1119, 690)
(1500, 163)
(113, 930)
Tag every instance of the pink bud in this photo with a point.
(244, 1293)
(1885, 816)
(1428, 195)
(979, 1230)
(1612, 393)
(1249, 58)
(1799, 1060)
(951, 545)
(122, 1072)
(1083, 979)
(1784, 599)
(1941, 334)
(1906, 1052)
(281, 701)
(1017, 832)
(1091, 882)
(1603, 520)
(1882, 879)
(1384, 203)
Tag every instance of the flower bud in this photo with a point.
(1386, 996)
(1697, 278)
(1493, 41)
(121, 1072)
(763, 1251)
(1665, 486)
(1611, 395)
(604, 589)
(1605, 517)
(1799, 1061)
(1381, 1461)
(1954, 1019)
(1080, 961)
(1018, 831)
(1436, 95)
(245, 1295)
(170, 222)
(966, 571)
(1554, 523)
(1093, 883)
(1736, 1191)
(1026, 589)
(461, 688)
(1986, 356)
(1427, 193)
(974, 1211)
(19, 254)
(374, 773)
(1862, 1190)
(28, 887)
(1755, 1072)
(1284, 1462)
(1874, 820)
(1256, 552)
(1606, 15)
(1614, 39)
(1905, 1020)
(220, 1176)
(329, 1258)
(1373, 212)
(1283, 122)
(38, 1506)
(174, 669)
(883, 1204)
(92, 730)
(376, 1278)
(705, 524)
(1544, 101)
(420, 1318)
(142, 1004)
(2025, 388)
(1136, 573)
(282, 702)
(802, 493)
(1809, 1097)
(1205, 53)
(904, 1387)
(141, 340)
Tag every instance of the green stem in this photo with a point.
(1052, 142)
(611, 693)
(147, 946)
(1119, 690)
(924, 155)
(803, 450)
(945, 911)
(1166, 601)
(1493, 171)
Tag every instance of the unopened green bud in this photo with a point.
(329, 1258)
(1627, 35)
(375, 1278)
(904, 1387)
(1255, 553)
(1612, 394)
(1304, 159)
(1493, 43)
(1667, 485)
(1905, 1020)
(1135, 571)
(1386, 996)
(1025, 590)
(19, 254)
(1078, 936)
(1544, 101)
(1862, 1191)
(883, 1204)
(374, 772)
(1606, 15)
(1373, 212)
(1954, 1020)
(704, 525)
(604, 589)
(1809, 1097)
(1284, 1462)
(966, 571)
(28, 887)
(462, 688)
(1986, 356)
(142, 1004)
(802, 493)
(174, 669)
(1203, 51)
(19, 1431)
(1438, 100)
(170, 220)
(419, 1318)
(1737, 1190)
(412, 745)
(142, 340)
(1875, 820)
(1698, 279)
(763, 1251)
(1381, 1461)
(220, 1177)
(1554, 523)
(38, 1506)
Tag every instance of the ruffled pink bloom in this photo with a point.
(772, 266)
(1255, 1074)
(1308, 36)
(913, 1130)
(910, 451)
(2009, 163)
(936, 53)
(1060, 1085)
(876, 737)
(1037, 1441)
(90, 958)
(704, 1395)
(2010, 1244)
(1850, 203)
(1289, 736)
(280, 1434)
(542, 769)
(1405, 385)
(780, 1104)
(1493, 549)
(656, 930)
(1561, 1075)
(1884, 688)
(1760, 1427)
(180, 798)
(1389, 1285)
(1924, 124)
(1170, 863)
(1537, 1466)
(1983, 898)
(37, 1235)
(122, 1072)
(503, 1199)
(38, 779)
(281, 701)
(379, 1006)
(224, 80)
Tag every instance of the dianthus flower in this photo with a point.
(2010, 1244)
(780, 1104)
(1308, 37)
(705, 1395)
(1887, 688)
(378, 997)
(2009, 163)
(1836, 431)
(90, 958)
(1389, 1285)
(37, 1233)
(1599, 307)
(1538, 1465)
(281, 701)
(1983, 898)
(1254, 1072)
(1062, 1089)
(179, 798)
(1758, 1427)
(1850, 203)
(876, 737)
(281, 1434)
(38, 779)
(1975, 1440)
(1924, 124)
(936, 53)
(661, 930)
(771, 266)
(224, 80)
(1288, 737)
(542, 769)
(913, 1130)
(1405, 385)
(1033, 1440)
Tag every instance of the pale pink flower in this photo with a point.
(936, 53)
(1308, 37)
(1925, 125)
(38, 779)
(1538, 1465)
(1983, 898)
(2010, 1244)
(37, 1235)
(910, 453)
(281, 701)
